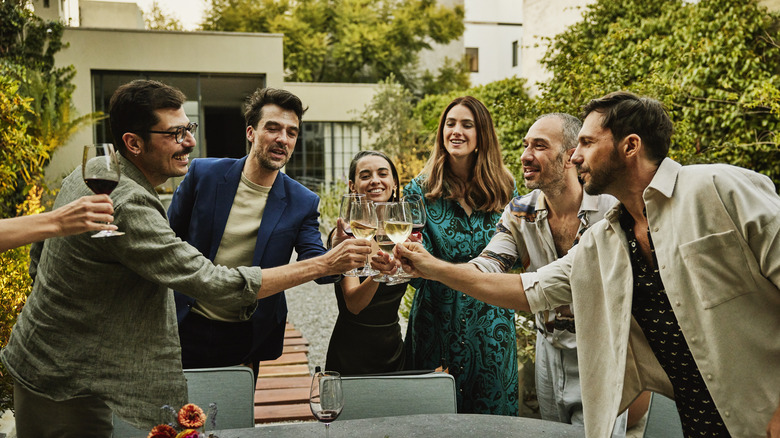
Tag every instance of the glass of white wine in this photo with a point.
(363, 222)
(346, 202)
(382, 239)
(398, 227)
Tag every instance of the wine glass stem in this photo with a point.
(327, 430)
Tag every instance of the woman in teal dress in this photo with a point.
(465, 186)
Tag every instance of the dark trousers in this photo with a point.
(40, 417)
(206, 343)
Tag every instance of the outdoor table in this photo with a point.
(427, 425)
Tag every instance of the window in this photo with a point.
(46, 3)
(472, 57)
(514, 53)
(323, 152)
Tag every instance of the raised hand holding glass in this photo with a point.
(100, 171)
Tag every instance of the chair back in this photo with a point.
(663, 421)
(231, 388)
(398, 394)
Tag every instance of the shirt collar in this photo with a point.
(665, 177)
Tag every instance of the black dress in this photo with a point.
(369, 342)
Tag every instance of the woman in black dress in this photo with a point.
(367, 337)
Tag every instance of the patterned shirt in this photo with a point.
(475, 341)
(653, 312)
(523, 236)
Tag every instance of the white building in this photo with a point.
(492, 39)
(215, 70)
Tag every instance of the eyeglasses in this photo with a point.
(179, 132)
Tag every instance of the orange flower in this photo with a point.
(191, 416)
(162, 431)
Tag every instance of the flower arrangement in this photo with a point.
(189, 423)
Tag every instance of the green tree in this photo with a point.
(393, 129)
(711, 62)
(27, 48)
(344, 40)
(158, 18)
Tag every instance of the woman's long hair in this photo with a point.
(490, 184)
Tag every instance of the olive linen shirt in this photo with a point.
(101, 319)
(715, 230)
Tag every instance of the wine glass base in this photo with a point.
(368, 272)
(381, 278)
(107, 233)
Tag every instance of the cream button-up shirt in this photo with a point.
(715, 230)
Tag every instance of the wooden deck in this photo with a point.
(282, 390)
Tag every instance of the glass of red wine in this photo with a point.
(417, 207)
(100, 170)
(326, 398)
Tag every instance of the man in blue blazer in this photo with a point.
(240, 213)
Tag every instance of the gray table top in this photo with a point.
(429, 425)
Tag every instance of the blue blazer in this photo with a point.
(198, 214)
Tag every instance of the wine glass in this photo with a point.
(363, 221)
(382, 239)
(346, 201)
(325, 398)
(398, 227)
(417, 207)
(100, 170)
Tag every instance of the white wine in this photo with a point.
(398, 231)
(362, 231)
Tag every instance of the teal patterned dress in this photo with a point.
(474, 340)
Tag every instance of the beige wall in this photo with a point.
(111, 15)
(133, 50)
(544, 18)
(329, 102)
(772, 5)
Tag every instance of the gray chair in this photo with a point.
(398, 394)
(231, 388)
(663, 421)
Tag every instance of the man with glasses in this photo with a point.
(246, 212)
(98, 332)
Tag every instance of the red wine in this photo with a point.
(416, 228)
(101, 186)
(327, 415)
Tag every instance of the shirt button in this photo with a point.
(655, 229)
(726, 414)
(464, 295)
(709, 376)
(677, 303)
(663, 266)
(693, 339)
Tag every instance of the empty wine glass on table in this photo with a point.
(346, 202)
(326, 399)
(363, 221)
(398, 227)
(100, 170)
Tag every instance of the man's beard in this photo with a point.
(552, 180)
(269, 164)
(601, 178)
